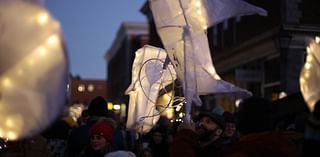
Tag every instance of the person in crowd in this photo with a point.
(83, 119)
(231, 134)
(78, 137)
(311, 143)
(258, 138)
(123, 139)
(297, 129)
(146, 152)
(202, 139)
(101, 137)
(299, 122)
(158, 142)
(57, 135)
(35, 146)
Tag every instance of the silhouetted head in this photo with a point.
(231, 125)
(254, 115)
(98, 107)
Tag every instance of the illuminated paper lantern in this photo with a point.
(33, 69)
(310, 74)
(150, 74)
(181, 25)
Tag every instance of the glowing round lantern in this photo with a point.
(310, 74)
(33, 69)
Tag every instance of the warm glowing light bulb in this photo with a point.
(42, 51)
(179, 106)
(237, 103)
(1, 134)
(53, 39)
(302, 81)
(30, 62)
(205, 27)
(308, 49)
(307, 74)
(43, 18)
(197, 3)
(167, 97)
(6, 82)
(9, 123)
(201, 19)
(307, 65)
(11, 135)
(309, 58)
(317, 39)
(81, 88)
(199, 12)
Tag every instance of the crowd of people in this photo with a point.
(249, 132)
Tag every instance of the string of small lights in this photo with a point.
(173, 99)
(3, 143)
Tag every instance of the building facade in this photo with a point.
(267, 52)
(82, 91)
(130, 37)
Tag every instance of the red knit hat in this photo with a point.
(102, 128)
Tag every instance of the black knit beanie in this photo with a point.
(98, 107)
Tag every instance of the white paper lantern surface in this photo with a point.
(310, 74)
(33, 69)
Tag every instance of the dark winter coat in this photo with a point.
(186, 144)
(265, 144)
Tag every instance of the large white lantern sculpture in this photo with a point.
(182, 25)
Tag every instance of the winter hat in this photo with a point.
(215, 117)
(97, 107)
(255, 115)
(120, 153)
(103, 128)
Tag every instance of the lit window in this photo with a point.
(116, 107)
(81, 88)
(90, 87)
(110, 106)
